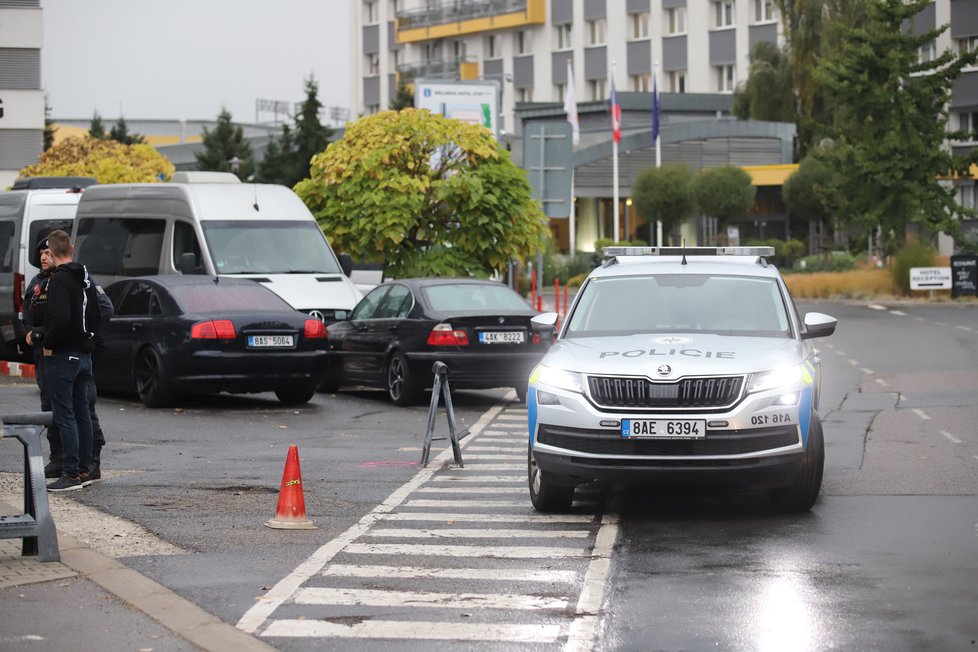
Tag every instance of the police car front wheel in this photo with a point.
(802, 493)
(544, 494)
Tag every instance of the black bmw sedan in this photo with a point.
(480, 329)
(180, 334)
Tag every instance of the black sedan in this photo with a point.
(180, 334)
(479, 329)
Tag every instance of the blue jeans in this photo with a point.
(68, 376)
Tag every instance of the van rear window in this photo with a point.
(120, 246)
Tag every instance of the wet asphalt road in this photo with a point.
(887, 559)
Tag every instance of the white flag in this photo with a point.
(570, 105)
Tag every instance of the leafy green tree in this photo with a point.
(96, 129)
(810, 192)
(120, 133)
(891, 124)
(292, 152)
(664, 194)
(404, 98)
(103, 158)
(724, 192)
(768, 93)
(225, 143)
(432, 195)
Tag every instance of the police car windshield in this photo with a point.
(680, 303)
(268, 247)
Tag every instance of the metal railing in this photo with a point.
(456, 11)
(434, 69)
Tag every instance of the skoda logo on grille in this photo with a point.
(502, 320)
(663, 370)
(317, 315)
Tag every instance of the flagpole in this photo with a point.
(658, 139)
(614, 160)
(575, 138)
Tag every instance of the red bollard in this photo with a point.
(565, 300)
(533, 288)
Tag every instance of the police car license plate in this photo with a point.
(663, 428)
(502, 337)
(269, 341)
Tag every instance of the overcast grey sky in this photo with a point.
(188, 58)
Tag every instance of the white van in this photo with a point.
(218, 228)
(34, 207)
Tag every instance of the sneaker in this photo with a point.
(93, 476)
(66, 483)
(52, 470)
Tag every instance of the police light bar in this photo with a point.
(689, 251)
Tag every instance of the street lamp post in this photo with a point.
(235, 164)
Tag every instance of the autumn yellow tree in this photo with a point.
(106, 160)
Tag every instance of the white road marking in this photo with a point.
(951, 438)
(882, 382)
(449, 517)
(920, 413)
(465, 502)
(416, 630)
(511, 466)
(916, 318)
(584, 628)
(898, 313)
(853, 363)
(492, 552)
(420, 572)
(496, 457)
(467, 533)
(963, 328)
(876, 306)
(471, 490)
(479, 478)
(507, 416)
(497, 449)
(373, 598)
(287, 586)
(865, 370)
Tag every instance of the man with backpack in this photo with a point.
(71, 321)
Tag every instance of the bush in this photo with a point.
(836, 261)
(912, 255)
(854, 284)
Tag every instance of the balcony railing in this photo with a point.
(434, 69)
(457, 11)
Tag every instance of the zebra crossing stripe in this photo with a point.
(464, 502)
(375, 598)
(479, 478)
(449, 517)
(494, 456)
(511, 466)
(419, 572)
(496, 449)
(491, 552)
(472, 490)
(416, 630)
(467, 533)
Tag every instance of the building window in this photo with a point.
(372, 109)
(596, 89)
(562, 36)
(927, 52)
(395, 7)
(763, 11)
(677, 81)
(967, 44)
(595, 32)
(373, 64)
(524, 42)
(371, 12)
(524, 94)
(968, 123)
(395, 59)
(723, 13)
(492, 47)
(639, 25)
(676, 20)
(726, 77)
(641, 83)
(966, 196)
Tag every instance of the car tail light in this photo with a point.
(219, 329)
(445, 335)
(18, 292)
(315, 329)
(536, 338)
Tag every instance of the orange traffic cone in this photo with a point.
(291, 511)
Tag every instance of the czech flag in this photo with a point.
(615, 114)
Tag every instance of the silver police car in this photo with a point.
(679, 364)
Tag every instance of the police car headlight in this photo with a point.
(786, 378)
(560, 378)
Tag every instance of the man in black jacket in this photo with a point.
(70, 322)
(32, 319)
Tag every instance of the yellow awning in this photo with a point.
(770, 175)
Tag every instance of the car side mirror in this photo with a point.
(818, 325)
(545, 324)
(188, 263)
(346, 264)
(341, 315)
